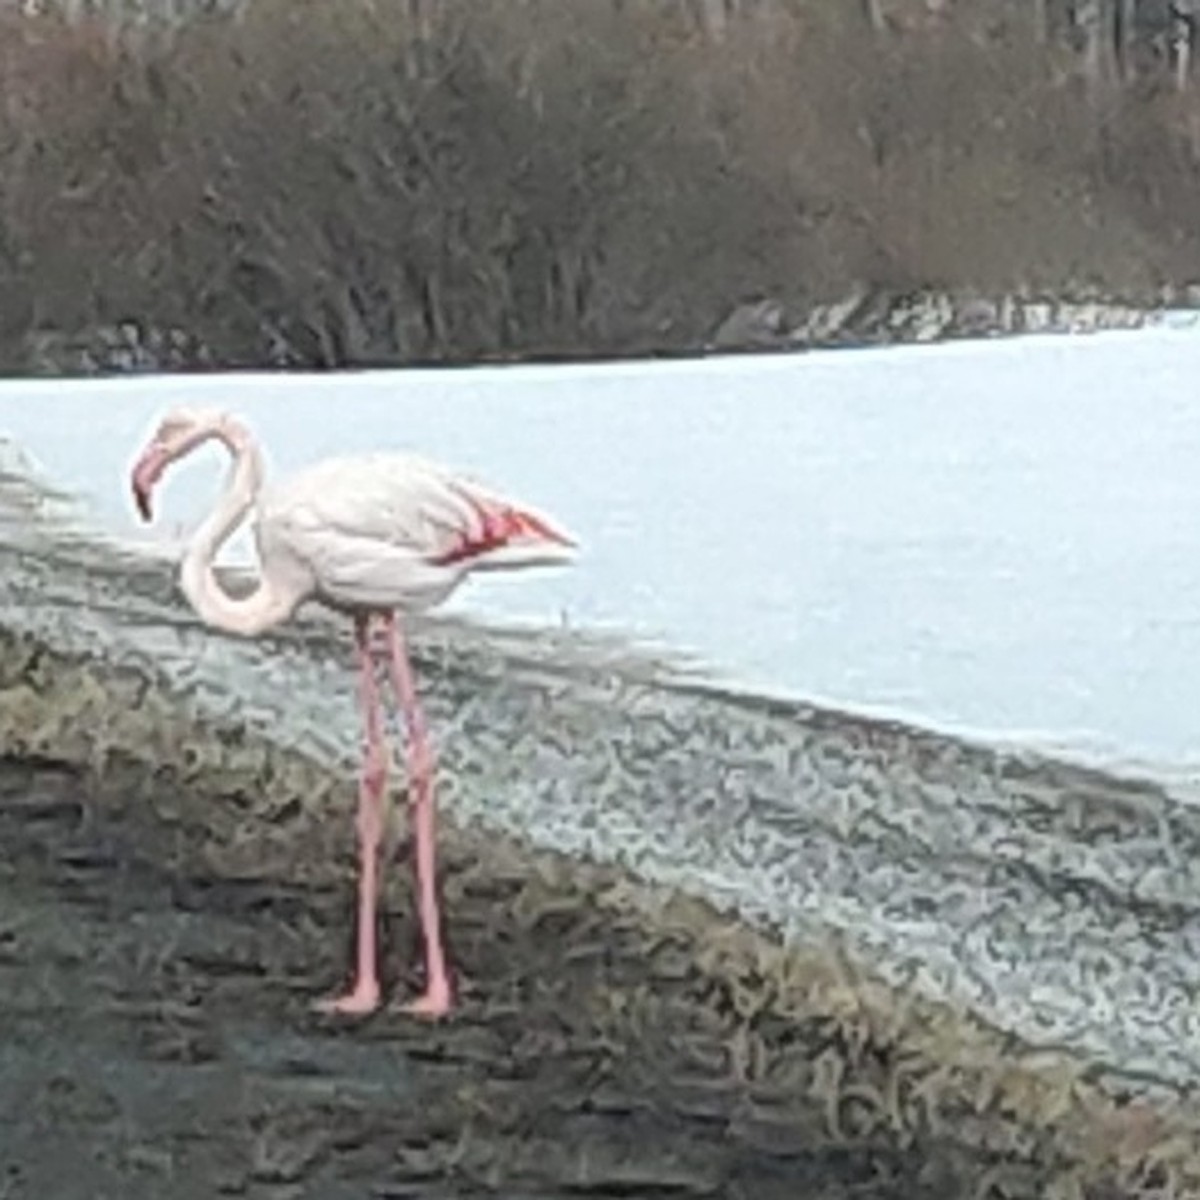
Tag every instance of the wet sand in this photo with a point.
(158, 1042)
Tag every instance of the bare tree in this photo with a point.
(713, 16)
(1093, 20)
(1041, 22)
(1184, 15)
(1126, 34)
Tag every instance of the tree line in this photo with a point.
(381, 181)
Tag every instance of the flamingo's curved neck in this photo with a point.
(263, 607)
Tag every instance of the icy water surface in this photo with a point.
(994, 536)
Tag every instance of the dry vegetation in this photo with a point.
(380, 181)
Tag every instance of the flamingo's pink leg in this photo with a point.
(363, 997)
(437, 999)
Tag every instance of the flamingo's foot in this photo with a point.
(436, 1002)
(362, 1000)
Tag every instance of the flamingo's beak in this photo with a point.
(146, 473)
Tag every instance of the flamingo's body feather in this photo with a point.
(384, 531)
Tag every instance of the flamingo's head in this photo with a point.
(177, 434)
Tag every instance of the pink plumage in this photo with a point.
(396, 531)
(369, 535)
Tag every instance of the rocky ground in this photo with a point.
(864, 317)
(158, 1041)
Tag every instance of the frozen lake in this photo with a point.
(993, 537)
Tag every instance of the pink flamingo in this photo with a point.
(366, 536)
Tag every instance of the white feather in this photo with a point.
(369, 530)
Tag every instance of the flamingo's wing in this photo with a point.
(387, 529)
(397, 499)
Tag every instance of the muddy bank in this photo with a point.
(158, 1038)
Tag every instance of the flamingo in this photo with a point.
(369, 536)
